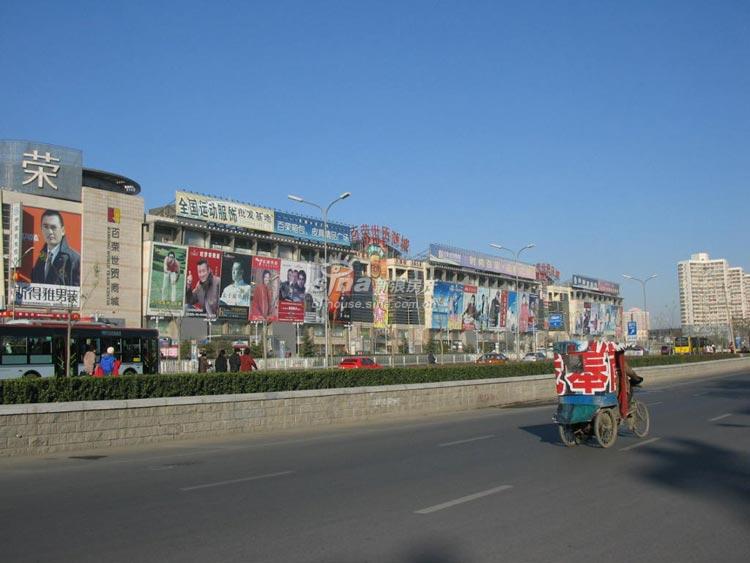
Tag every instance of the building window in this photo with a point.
(195, 238)
(164, 233)
(265, 248)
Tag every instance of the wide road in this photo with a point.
(491, 485)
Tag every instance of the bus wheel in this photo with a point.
(130, 371)
(32, 374)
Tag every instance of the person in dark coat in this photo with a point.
(57, 264)
(220, 365)
(203, 363)
(234, 361)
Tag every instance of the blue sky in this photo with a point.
(612, 134)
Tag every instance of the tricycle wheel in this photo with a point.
(568, 435)
(605, 428)
(641, 420)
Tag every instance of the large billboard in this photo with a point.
(340, 286)
(483, 308)
(480, 261)
(447, 305)
(595, 284)
(167, 285)
(49, 273)
(315, 294)
(511, 311)
(234, 299)
(293, 291)
(265, 299)
(470, 312)
(203, 282)
(212, 210)
(307, 228)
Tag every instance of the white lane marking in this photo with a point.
(714, 419)
(700, 394)
(466, 441)
(639, 444)
(468, 498)
(232, 481)
(656, 403)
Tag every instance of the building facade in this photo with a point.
(71, 237)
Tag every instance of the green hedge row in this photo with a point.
(27, 390)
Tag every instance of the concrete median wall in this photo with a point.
(54, 427)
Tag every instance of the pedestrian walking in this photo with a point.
(89, 360)
(247, 363)
(234, 361)
(220, 365)
(203, 363)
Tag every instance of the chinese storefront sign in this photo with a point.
(202, 208)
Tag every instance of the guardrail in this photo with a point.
(191, 366)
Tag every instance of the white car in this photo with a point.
(534, 357)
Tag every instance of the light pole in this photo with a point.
(324, 212)
(643, 285)
(518, 297)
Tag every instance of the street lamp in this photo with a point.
(518, 297)
(643, 285)
(324, 212)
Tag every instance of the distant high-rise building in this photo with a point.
(711, 293)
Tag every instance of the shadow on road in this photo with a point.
(698, 469)
(547, 433)
(730, 389)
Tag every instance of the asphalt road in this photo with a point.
(491, 485)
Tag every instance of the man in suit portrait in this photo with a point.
(57, 264)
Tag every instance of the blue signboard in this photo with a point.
(555, 321)
(632, 330)
(311, 229)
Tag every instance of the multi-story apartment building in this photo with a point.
(711, 294)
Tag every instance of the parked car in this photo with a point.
(359, 363)
(635, 351)
(534, 357)
(492, 358)
(666, 350)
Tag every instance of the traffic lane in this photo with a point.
(348, 488)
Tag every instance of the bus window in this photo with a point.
(114, 341)
(131, 351)
(40, 349)
(14, 350)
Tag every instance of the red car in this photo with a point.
(359, 363)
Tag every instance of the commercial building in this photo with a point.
(71, 240)
(642, 322)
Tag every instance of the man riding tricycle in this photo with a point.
(594, 388)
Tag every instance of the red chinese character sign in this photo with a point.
(587, 373)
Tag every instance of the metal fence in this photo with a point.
(190, 366)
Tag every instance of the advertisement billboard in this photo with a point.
(41, 169)
(483, 308)
(167, 284)
(307, 228)
(595, 284)
(293, 291)
(340, 288)
(511, 308)
(49, 273)
(470, 312)
(523, 314)
(234, 299)
(379, 302)
(315, 294)
(202, 282)
(212, 210)
(533, 313)
(266, 282)
(480, 261)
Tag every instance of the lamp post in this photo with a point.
(643, 285)
(324, 212)
(518, 297)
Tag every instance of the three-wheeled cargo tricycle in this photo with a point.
(595, 396)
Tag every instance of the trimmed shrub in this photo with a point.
(50, 390)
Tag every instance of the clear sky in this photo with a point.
(612, 134)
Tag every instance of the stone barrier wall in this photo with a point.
(53, 427)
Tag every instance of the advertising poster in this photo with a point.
(49, 274)
(315, 294)
(379, 302)
(311, 229)
(293, 291)
(610, 324)
(496, 317)
(202, 208)
(167, 285)
(234, 300)
(203, 282)
(470, 315)
(440, 305)
(483, 308)
(339, 293)
(511, 315)
(265, 299)
(455, 306)
(533, 317)
(523, 316)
